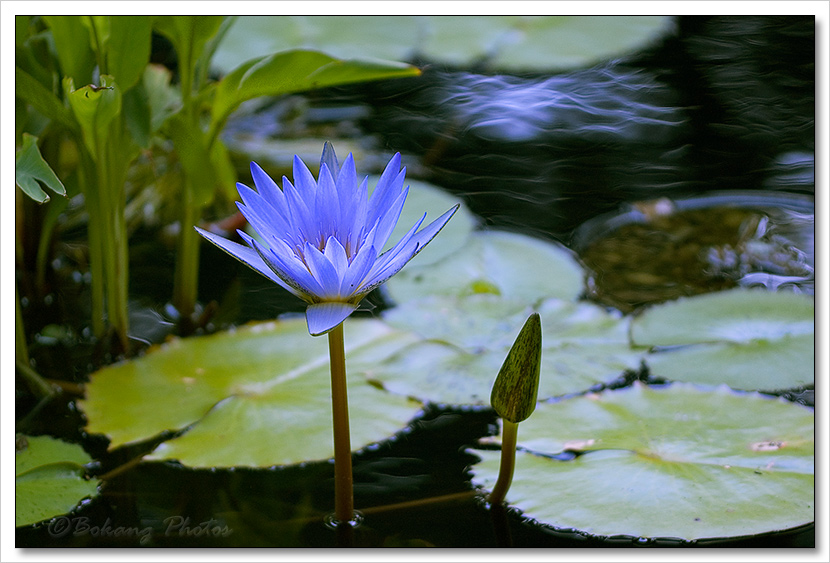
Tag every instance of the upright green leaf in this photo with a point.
(162, 98)
(74, 53)
(189, 35)
(28, 89)
(30, 170)
(94, 107)
(128, 50)
(294, 71)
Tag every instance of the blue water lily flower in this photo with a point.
(321, 239)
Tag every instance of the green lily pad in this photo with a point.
(509, 264)
(49, 478)
(258, 396)
(679, 462)
(516, 43)
(469, 338)
(748, 339)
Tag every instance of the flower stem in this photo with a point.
(343, 495)
(510, 431)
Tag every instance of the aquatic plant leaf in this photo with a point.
(31, 170)
(49, 478)
(468, 339)
(561, 42)
(256, 396)
(72, 46)
(128, 48)
(508, 264)
(94, 107)
(748, 339)
(493, 42)
(294, 71)
(677, 462)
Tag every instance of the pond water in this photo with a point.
(562, 157)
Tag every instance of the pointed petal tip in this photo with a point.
(322, 317)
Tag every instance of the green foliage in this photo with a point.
(504, 43)
(681, 462)
(49, 478)
(748, 339)
(31, 170)
(293, 71)
(497, 262)
(258, 396)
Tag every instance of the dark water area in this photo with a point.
(721, 103)
(724, 103)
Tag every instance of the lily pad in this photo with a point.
(258, 396)
(469, 338)
(679, 462)
(508, 264)
(748, 339)
(518, 43)
(49, 478)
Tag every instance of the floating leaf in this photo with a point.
(748, 339)
(49, 478)
(679, 462)
(496, 42)
(497, 262)
(469, 338)
(257, 396)
(30, 170)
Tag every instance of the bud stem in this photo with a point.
(509, 433)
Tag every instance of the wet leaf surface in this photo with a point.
(677, 462)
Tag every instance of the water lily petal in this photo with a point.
(336, 254)
(262, 216)
(387, 189)
(291, 271)
(303, 179)
(322, 317)
(389, 218)
(400, 255)
(327, 205)
(324, 272)
(319, 238)
(244, 254)
(358, 271)
(329, 159)
(268, 189)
